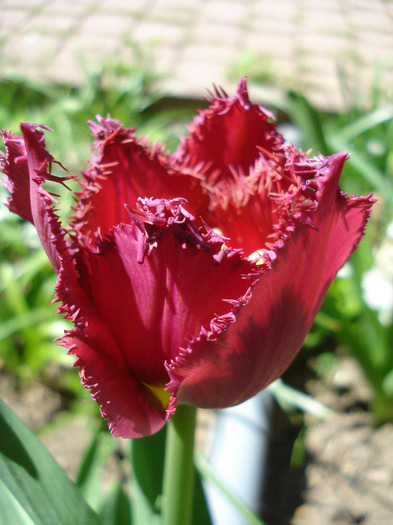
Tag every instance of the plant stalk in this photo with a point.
(178, 482)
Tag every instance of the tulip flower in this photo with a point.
(191, 277)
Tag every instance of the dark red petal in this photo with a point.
(151, 308)
(271, 328)
(27, 165)
(260, 210)
(137, 315)
(227, 135)
(17, 182)
(123, 169)
(131, 407)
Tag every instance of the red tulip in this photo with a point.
(194, 277)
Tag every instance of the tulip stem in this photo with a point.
(179, 467)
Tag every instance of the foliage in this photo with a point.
(34, 489)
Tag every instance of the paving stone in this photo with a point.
(30, 49)
(281, 10)
(375, 6)
(190, 5)
(93, 47)
(260, 25)
(22, 4)
(364, 19)
(375, 50)
(173, 16)
(200, 52)
(270, 44)
(61, 8)
(209, 33)
(156, 32)
(50, 24)
(107, 25)
(330, 98)
(196, 78)
(12, 19)
(201, 41)
(317, 44)
(166, 59)
(91, 4)
(73, 68)
(318, 5)
(127, 5)
(225, 12)
(323, 22)
(138, 8)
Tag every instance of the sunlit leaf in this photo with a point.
(36, 484)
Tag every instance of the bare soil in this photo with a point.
(349, 470)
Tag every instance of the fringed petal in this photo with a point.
(123, 169)
(150, 284)
(27, 164)
(132, 409)
(272, 325)
(259, 210)
(17, 181)
(227, 136)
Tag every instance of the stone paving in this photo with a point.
(329, 49)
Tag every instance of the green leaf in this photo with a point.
(11, 511)
(148, 463)
(147, 457)
(286, 395)
(309, 121)
(116, 509)
(200, 511)
(29, 318)
(366, 169)
(90, 473)
(87, 461)
(32, 483)
(365, 123)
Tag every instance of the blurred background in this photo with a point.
(325, 68)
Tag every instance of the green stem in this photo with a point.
(179, 467)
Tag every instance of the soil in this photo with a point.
(349, 470)
(347, 476)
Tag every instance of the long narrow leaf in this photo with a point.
(367, 170)
(365, 123)
(29, 318)
(285, 394)
(35, 481)
(116, 508)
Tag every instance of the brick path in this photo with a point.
(312, 45)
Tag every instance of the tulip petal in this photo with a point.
(131, 408)
(146, 308)
(227, 135)
(246, 169)
(17, 180)
(272, 326)
(123, 169)
(27, 165)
